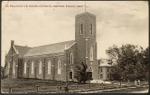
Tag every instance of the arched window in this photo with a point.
(49, 67)
(71, 58)
(59, 66)
(91, 53)
(32, 67)
(14, 67)
(7, 67)
(91, 30)
(81, 29)
(25, 67)
(40, 67)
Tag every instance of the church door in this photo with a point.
(70, 75)
(89, 74)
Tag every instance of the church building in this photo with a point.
(56, 61)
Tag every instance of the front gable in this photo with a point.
(13, 51)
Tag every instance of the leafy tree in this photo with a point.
(129, 59)
(145, 62)
(116, 73)
(80, 73)
(2, 72)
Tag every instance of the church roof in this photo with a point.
(21, 49)
(50, 49)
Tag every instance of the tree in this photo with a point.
(2, 72)
(129, 60)
(145, 62)
(80, 73)
(116, 73)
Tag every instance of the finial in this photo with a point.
(12, 42)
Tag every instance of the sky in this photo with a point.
(118, 22)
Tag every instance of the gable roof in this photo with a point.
(104, 63)
(50, 49)
(21, 49)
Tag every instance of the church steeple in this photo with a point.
(85, 25)
(85, 36)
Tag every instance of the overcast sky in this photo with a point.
(118, 22)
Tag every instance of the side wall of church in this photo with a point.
(60, 75)
(41, 64)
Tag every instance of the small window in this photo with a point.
(81, 29)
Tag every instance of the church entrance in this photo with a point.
(89, 75)
(70, 75)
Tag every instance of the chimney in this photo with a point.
(12, 42)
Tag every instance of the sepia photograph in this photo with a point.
(74, 47)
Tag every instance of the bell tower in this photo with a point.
(85, 37)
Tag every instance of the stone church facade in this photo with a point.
(56, 61)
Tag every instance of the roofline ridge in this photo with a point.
(71, 45)
(22, 46)
(53, 43)
(15, 50)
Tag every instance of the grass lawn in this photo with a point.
(32, 85)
